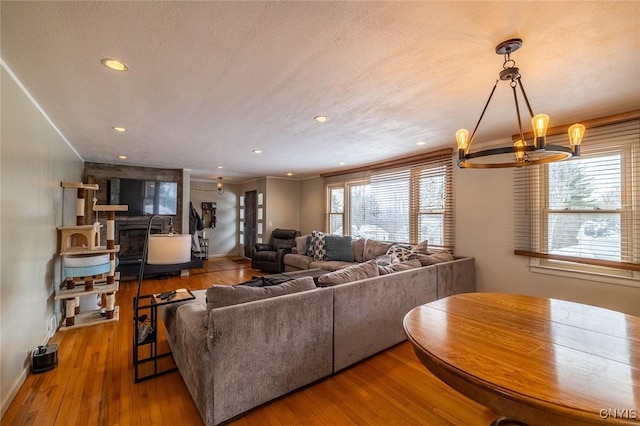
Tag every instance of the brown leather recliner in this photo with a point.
(270, 257)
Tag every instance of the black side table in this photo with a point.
(148, 305)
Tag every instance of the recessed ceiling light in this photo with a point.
(341, 163)
(257, 151)
(421, 143)
(114, 64)
(119, 129)
(289, 174)
(220, 167)
(122, 157)
(321, 118)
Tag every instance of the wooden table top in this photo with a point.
(541, 361)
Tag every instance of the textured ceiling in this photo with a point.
(209, 82)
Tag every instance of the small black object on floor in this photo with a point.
(44, 358)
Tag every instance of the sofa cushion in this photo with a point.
(399, 252)
(227, 295)
(316, 249)
(329, 265)
(351, 273)
(358, 250)
(373, 249)
(302, 243)
(397, 267)
(338, 247)
(294, 262)
(432, 259)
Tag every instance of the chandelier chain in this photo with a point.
(515, 97)
(508, 59)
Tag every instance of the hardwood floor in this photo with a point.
(93, 383)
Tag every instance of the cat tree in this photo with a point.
(89, 268)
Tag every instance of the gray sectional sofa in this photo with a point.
(237, 357)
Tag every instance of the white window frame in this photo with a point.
(629, 156)
(415, 210)
(329, 207)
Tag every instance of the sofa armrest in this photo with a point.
(188, 343)
(263, 247)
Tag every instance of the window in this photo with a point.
(336, 209)
(409, 202)
(583, 214)
(434, 205)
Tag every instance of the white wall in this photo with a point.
(223, 239)
(312, 205)
(34, 160)
(282, 199)
(484, 230)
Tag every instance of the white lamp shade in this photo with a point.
(166, 249)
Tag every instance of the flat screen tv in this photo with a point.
(144, 197)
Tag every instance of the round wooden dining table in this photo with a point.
(535, 360)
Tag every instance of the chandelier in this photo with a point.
(522, 153)
(220, 186)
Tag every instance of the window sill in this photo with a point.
(633, 280)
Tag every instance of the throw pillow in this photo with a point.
(432, 259)
(358, 250)
(384, 260)
(316, 249)
(350, 273)
(373, 249)
(442, 256)
(420, 248)
(399, 252)
(397, 267)
(338, 248)
(302, 243)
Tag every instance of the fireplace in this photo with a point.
(131, 234)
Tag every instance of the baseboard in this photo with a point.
(10, 396)
(14, 390)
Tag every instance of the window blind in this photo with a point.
(585, 210)
(403, 202)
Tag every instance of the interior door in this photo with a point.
(250, 222)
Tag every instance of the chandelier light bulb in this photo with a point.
(540, 124)
(462, 137)
(576, 133)
(519, 154)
